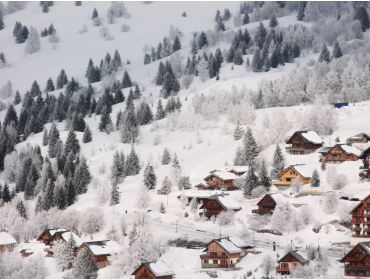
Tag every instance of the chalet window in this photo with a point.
(284, 265)
(205, 261)
(288, 179)
(223, 254)
(213, 254)
(215, 262)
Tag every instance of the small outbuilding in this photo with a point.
(153, 270)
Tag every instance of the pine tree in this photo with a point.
(114, 195)
(257, 62)
(116, 61)
(264, 177)
(17, 98)
(33, 42)
(324, 54)
(132, 164)
(87, 135)
(278, 162)
(45, 137)
(220, 26)
(315, 179)
(1, 20)
(72, 143)
(11, 117)
(53, 138)
(126, 80)
(184, 183)
(160, 114)
(117, 170)
(202, 40)
(129, 130)
(166, 157)
(250, 148)
(150, 179)
(85, 267)
(105, 124)
(60, 197)
(273, 22)
(301, 9)
(238, 131)
(62, 79)
(260, 35)
(230, 55)
(147, 59)
(35, 89)
(238, 57)
(49, 86)
(144, 114)
(81, 177)
(166, 187)
(21, 209)
(176, 44)
(94, 14)
(6, 194)
(245, 19)
(337, 51)
(362, 15)
(250, 183)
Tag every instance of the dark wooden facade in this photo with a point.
(365, 169)
(357, 261)
(298, 145)
(100, 260)
(337, 154)
(361, 219)
(265, 206)
(217, 183)
(6, 248)
(144, 272)
(218, 257)
(47, 237)
(291, 260)
(212, 207)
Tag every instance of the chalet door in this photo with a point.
(223, 263)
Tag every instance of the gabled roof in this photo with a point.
(346, 148)
(102, 247)
(365, 246)
(266, 196)
(225, 201)
(360, 135)
(223, 175)
(302, 169)
(52, 231)
(159, 268)
(238, 242)
(309, 136)
(6, 238)
(359, 204)
(294, 253)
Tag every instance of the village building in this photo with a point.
(100, 250)
(64, 237)
(357, 261)
(358, 139)
(339, 153)
(223, 178)
(47, 235)
(223, 253)
(290, 261)
(361, 219)
(153, 270)
(303, 142)
(265, 206)
(215, 204)
(198, 195)
(365, 169)
(291, 173)
(26, 252)
(7, 242)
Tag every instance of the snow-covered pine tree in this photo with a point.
(17, 98)
(315, 179)
(62, 79)
(202, 69)
(35, 89)
(166, 187)
(273, 21)
(132, 163)
(72, 143)
(129, 130)
(33, 42)
(324, 54)
(144, 114)
(105, 124)
(60, 193)
(116, 61)
(114, 195)
(301, 9)
(147, 59)
(160, 114)
(362, 15)
(184, 183)
(239, 157)
(126, 80)
(245, 19)
(117, 172)
(238, 131)
(176, 44)
(81, 177)
(49, 86)
(21, 209)
(278, 162)
(337, 51)
(238, 57)
(166, 157)
(250, 148)
(250, 183)
(1, 20)
(264, 177)
(150, 179)
(87, 135)
(85, 267)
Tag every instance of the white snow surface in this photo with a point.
(159, 269)
(108, 247)
(6, 238)
(229, 246)
(312, 136)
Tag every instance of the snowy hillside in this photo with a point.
(141, 131)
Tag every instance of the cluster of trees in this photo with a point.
(46, 5)
(325, 54)
(166, 78)
(6, 195)
(220, 26)
(20, 32)
(48, 31)
(107, 66)
(164, 49)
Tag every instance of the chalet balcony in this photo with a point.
(209, 257)
(298, 150)
(356, 228)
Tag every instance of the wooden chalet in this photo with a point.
(64, 236)
(265, 206)
(221, 253)
(47, 235)
(7, 242)
(153, 270)
(100, 250)
(291, 172)
(339, 153)
(358, 139)
(215, 204)
(222, 178)
(361, 219)
(26, 252)
(303, 142)
(365, 169)
(357, 261)
(291, 260)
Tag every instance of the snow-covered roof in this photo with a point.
(312, 136)
(238, 242)
(103, 247)
(228, 246)
(324, 149)
(26, 250)
(224, 175)
(228, 202)
(66, 235)
(298, 257)
(159, 269)
(6, 238)
(54, 231)
(232, 168)
(351, 150)
(303, 169)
